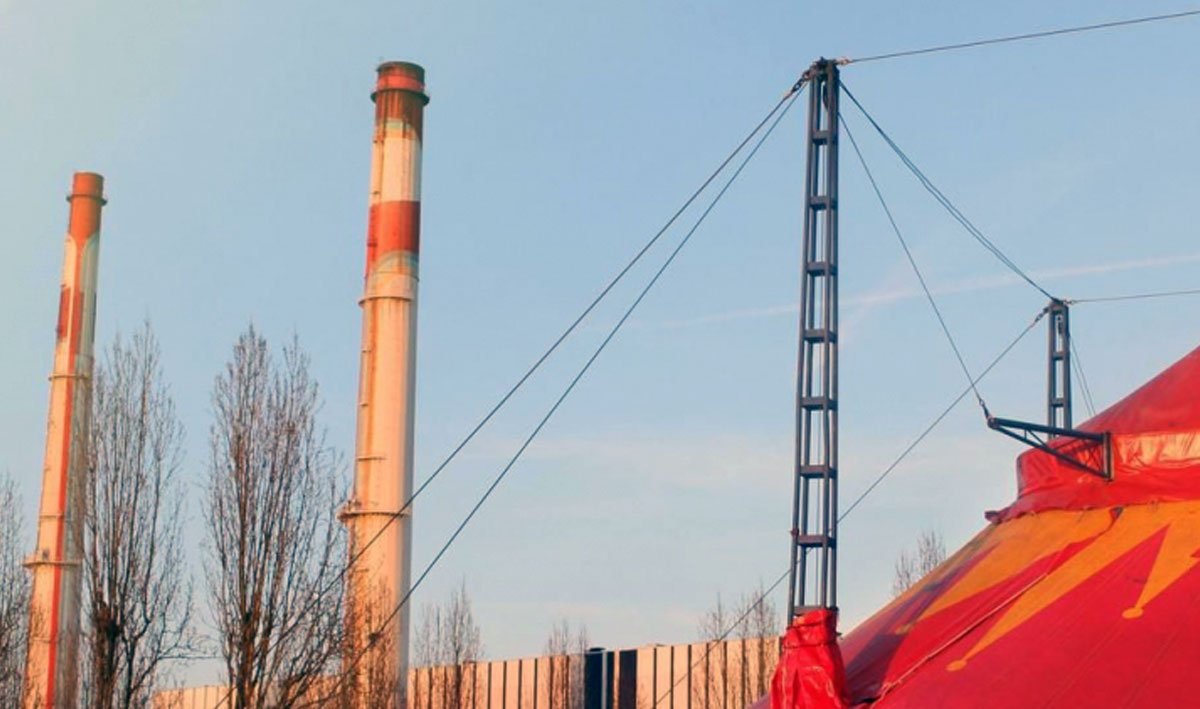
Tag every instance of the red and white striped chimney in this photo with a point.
(53, 652)
(380, 527)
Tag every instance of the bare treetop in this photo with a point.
(275, 547)
(138, 597)
(448, 636)
(14, 597)
(912, 567)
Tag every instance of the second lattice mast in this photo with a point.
(1058, 376)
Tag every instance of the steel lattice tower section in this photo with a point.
(814, 506)
(1058, 381)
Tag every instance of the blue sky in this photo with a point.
(235, 140)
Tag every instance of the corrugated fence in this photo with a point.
(718, 675)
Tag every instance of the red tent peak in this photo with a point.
(1155, 434)
(1168, 402)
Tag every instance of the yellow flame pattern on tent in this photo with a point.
(1002, 552)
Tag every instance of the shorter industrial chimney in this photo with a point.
(53, 653)
(379, 522)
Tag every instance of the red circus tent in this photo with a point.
(1084, 592)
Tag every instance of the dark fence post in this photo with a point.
(627, 685)
(593, 678)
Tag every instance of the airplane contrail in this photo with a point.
(872, 299)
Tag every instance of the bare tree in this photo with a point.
(738, 646)
(14, 597)
(448, 637)
(138, 606)
(274, 544)
(740, 651)
(377, 680)
(912, 567)
(715, 622)
(710, 686)
(759, 633)
(566, 650)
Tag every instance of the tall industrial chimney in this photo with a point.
(380, 525)
(53, 658)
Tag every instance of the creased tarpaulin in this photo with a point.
(810, 674)
(1082, 593)
(1155, 448)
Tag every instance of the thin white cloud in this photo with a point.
(754, 462)
(887, 296)
(713, 462)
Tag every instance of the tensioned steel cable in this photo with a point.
(1024, 37)
(945, 412)
(971, 387)
(775, 113)
(913, 262)
(1134, 296)
(886, 472)
(591, 306)
(708, 644)
(566, 333)
(943, 200)
(790, 94)
(1087, 390)
(571, 386)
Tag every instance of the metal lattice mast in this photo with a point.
(1058, 382)
(813, 578)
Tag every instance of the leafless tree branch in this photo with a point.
(740, 651)
(275, 545)
(448, 637)
(566, 650)
(912, 567)
(138, 597)
(14, 597)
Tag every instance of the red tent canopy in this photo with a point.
(1083, 592)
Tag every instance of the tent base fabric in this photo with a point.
(1085, 591)
(810, 674)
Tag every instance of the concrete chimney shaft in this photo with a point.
(380, 527)
(53, 652)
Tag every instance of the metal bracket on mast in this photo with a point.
(814, 503)
(1089, 451)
